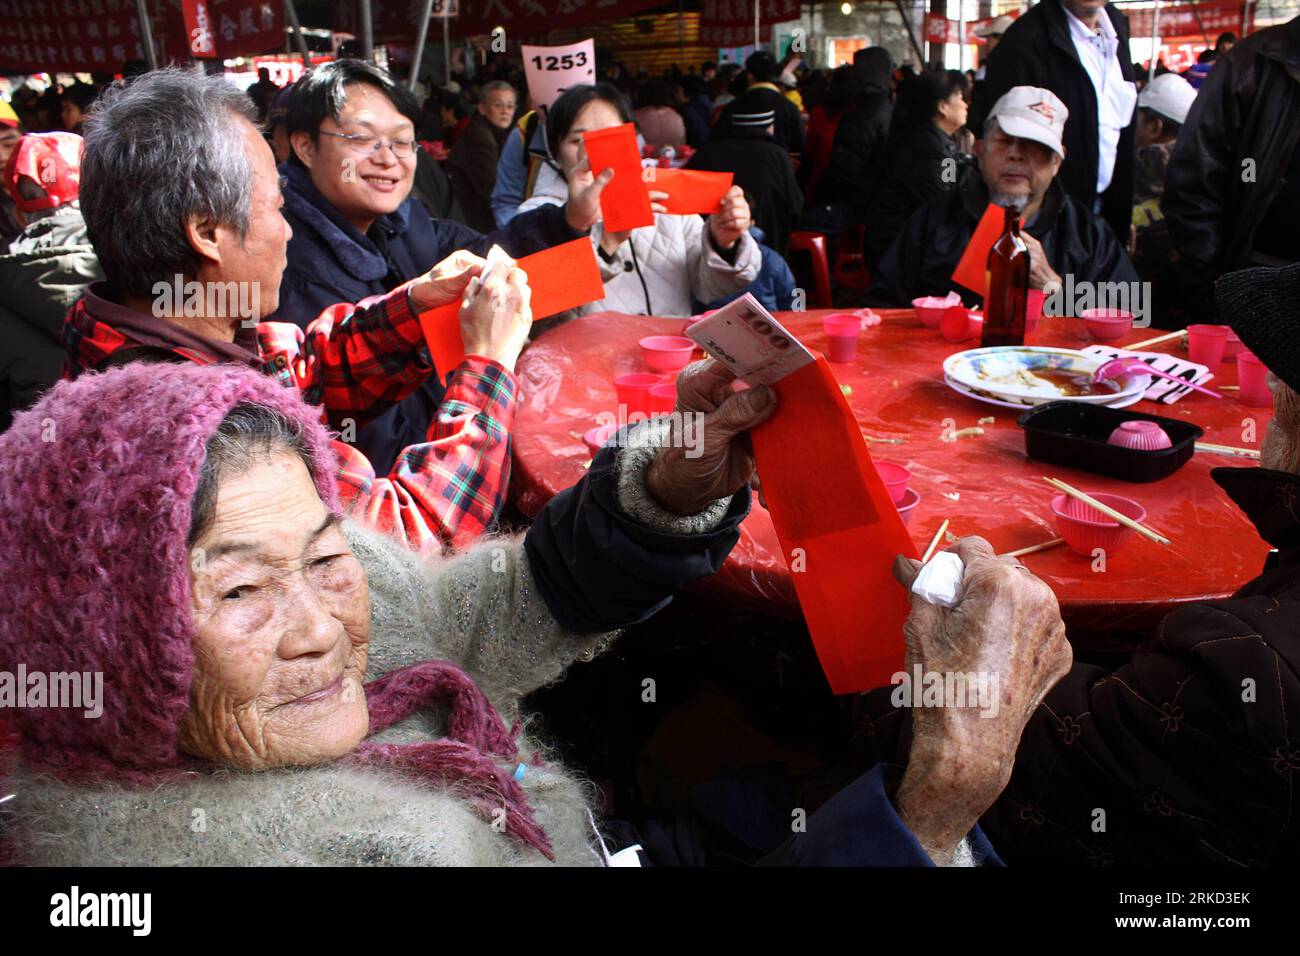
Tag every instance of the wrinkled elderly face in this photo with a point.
(360, 183)
(282, 623)
(1016, 168)
(597, 114)
(499, 108)
(1281, 448)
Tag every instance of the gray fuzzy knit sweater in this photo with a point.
(481, 611)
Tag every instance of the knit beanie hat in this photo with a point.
(96, 484)
(1262, 305)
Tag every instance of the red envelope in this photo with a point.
(689, 190)
(625, 203)
(828, 502)
(561, 277)
(972, 269)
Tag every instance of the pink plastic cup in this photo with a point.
(633, 390)
(1140, 436)
(1251, 376)
(1205, 343)
(842, 331)
(1085, 529)
(666, 353)
(663, 398)
(895, 478)
(1033, 310)
(1234, 347)
(908, 505)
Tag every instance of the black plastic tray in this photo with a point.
(1074, 434)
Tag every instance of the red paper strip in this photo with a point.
(827, 500)
(972, 269)
(625, 203)
(689, 190)
(562, 277)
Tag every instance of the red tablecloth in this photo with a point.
(985, 484)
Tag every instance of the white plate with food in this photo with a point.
(990, 399)
(1031, 375)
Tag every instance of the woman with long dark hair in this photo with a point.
(923, 157)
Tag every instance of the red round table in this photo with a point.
(983, 484)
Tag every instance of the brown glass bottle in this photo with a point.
(1008, 266)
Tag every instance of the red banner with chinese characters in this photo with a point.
(102, 35)
(728, 23)
(1181, 20)
(939, 29)
(394, 21)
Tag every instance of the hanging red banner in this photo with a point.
(728, 23)
(394, 21)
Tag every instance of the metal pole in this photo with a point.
(1155, 43)
(146, 35)
(421, 32)
(367, 33)
(291, 14)
(961, 35)
(911, 34)
(756, 26)
(446, 50)
(681, 36)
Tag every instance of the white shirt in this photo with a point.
(1116, 97)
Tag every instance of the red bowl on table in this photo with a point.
(666, 353)
(1085, 529)
(960, 324)
(895, 478)
(930, 316)
(905, 507)
(1107, 325)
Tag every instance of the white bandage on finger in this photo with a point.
(940, 580)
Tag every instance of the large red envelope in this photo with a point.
(972, 269)
(827, 500)
(562, 277)
(625, 203)
(689, 190)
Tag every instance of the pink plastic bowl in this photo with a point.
(1140, 436)
(663, 398)
(595, 438)
(666, 353)
(895, 478)
(930, 318)
(1107, 325)
(1084, 528)
(905, 507)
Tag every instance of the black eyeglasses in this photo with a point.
(364, 144)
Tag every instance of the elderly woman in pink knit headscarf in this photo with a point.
(282, 686)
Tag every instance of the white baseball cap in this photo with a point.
(1028, 112)
(1169, 95)
(996, 28)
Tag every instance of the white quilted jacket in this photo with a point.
(674, 258)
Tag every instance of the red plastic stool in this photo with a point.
(814, 243)
(850, 266)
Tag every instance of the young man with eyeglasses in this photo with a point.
(358, 231)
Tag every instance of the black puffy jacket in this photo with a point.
(922, 258)
(1037, 50)
(1247, 109)
(922, 162)
(859, 147)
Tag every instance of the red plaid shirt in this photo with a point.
(355, 361)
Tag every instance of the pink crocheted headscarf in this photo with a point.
(96, 486)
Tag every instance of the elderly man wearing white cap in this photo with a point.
(1019, 158)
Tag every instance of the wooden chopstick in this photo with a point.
(1033, 548)
(1227, 450)
(934, 542)
(1155, 341)
(1107, 510)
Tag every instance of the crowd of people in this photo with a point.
(272, 522)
